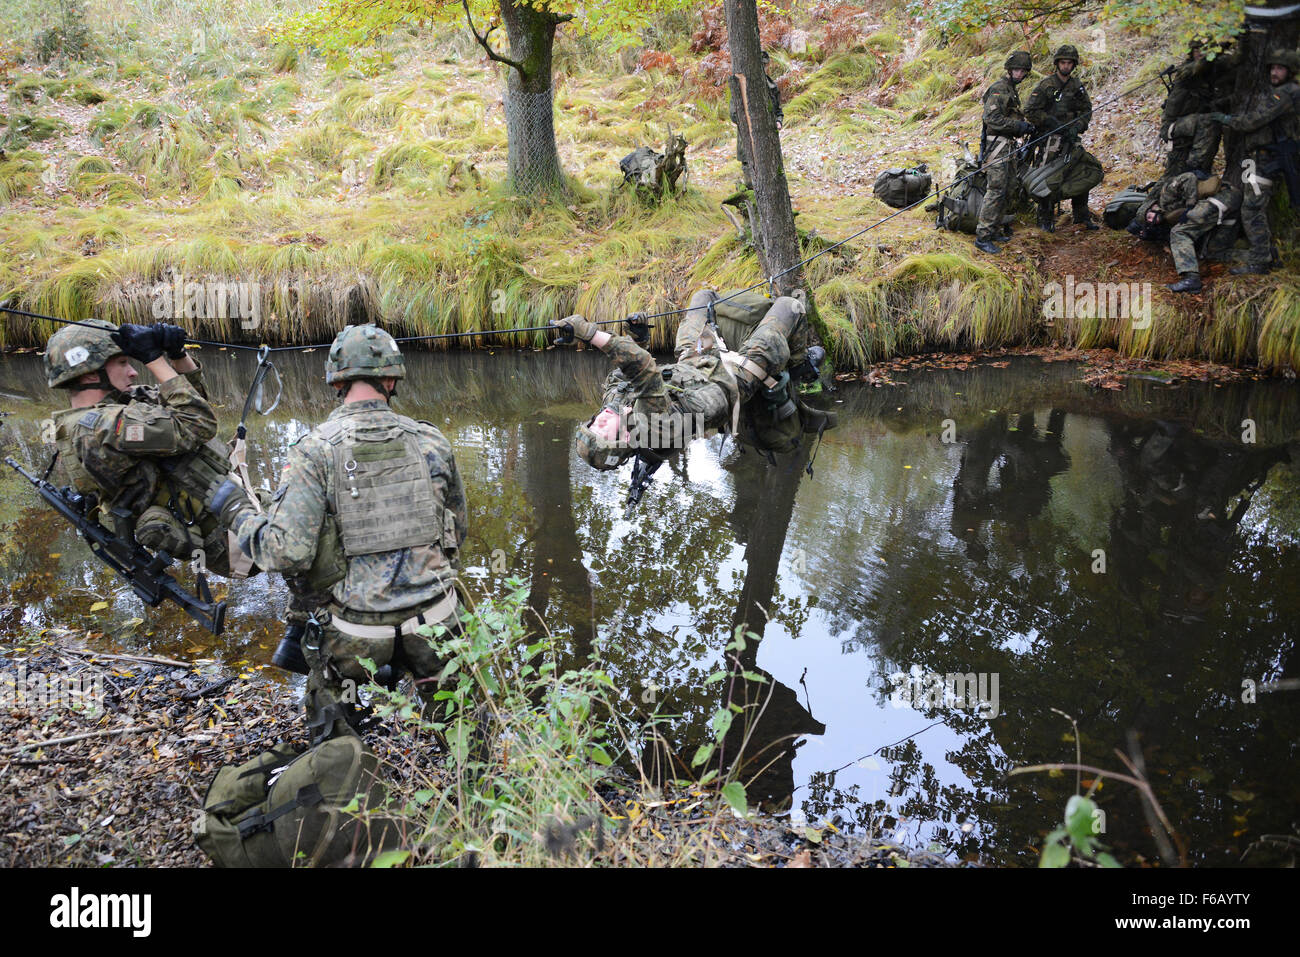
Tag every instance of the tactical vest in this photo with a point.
(380, 493)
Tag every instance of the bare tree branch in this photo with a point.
(483, 42)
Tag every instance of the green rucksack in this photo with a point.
(1124, 206)
(283, 808)
(902, 187)
(1064, 177)
(959, 205)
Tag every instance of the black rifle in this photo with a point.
(643, 472)
(132, 561)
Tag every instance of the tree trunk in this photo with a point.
(533, 165)
(1252, 79)
(777, 243)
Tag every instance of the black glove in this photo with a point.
(144, 343)
(173, 340)
(1025, 128)
(226, 500)
(638, 327)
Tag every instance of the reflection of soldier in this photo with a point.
(1200, 87)
(1176, 529)
(1059, 99)
(1029, 462)
(1270, 128)
(147, 452)
(649, 409)
(370, 517)
(1003, 122)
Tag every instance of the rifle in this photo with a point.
(132, 561)
(643, 471)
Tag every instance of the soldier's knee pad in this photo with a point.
(159, 530)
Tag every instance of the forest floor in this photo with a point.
(120, 780)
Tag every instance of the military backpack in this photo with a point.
(900, 188)
(959, 205)
(1124, 206)
(1068, 175)
(284, 808)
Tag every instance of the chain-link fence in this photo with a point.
(533, 163)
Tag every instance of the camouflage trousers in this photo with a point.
(1193, 144)
(1258, 193)
(337, 672)
(999, 174)
(780, 335)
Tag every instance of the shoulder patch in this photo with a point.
(89, 420)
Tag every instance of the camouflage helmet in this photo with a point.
(76, 350)
(1287, 58)
(364, 352)
(600, 453)
(1020, 60)
(1065, 52)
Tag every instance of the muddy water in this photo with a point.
(1122, 557)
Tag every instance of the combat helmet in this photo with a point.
(363, 352)
(1020, 60)
(601, 453)
(76, 350)
(1287, 58)
(1065, 52)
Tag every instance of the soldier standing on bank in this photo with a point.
(147, 453)
(1200, 87)
(1271, 133)
(369, 519)
(1060, 99)
(1003, 123)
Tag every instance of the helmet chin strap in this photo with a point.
(101, 382)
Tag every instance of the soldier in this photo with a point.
(1003, 122)
(1200, 87)
(1271, 129)
(1057, 100)
(654, 411)
(1214, 206)
(147, 453)
(774, 95)
(368, 521)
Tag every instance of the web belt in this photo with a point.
(433, 615)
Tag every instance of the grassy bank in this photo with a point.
(214, 154)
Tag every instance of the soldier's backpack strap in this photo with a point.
(255, 820)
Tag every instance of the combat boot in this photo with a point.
(1046, 218)
(1191, 282)
(987, 246)
(1004, 234)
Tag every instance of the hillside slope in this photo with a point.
(210, 153)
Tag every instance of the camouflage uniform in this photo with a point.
(1275, 118)
(1053, 103)
(774, 95)
(1200, 87)
(1003, 122)
(376, 496)
(146, 454)
(1202, 220)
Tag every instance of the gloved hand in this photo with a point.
(144, 343)
(1025, 128)
(173, 340)
(575, 327)
(638, 327)
(226, 500)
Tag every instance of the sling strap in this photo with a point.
(255, 820)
